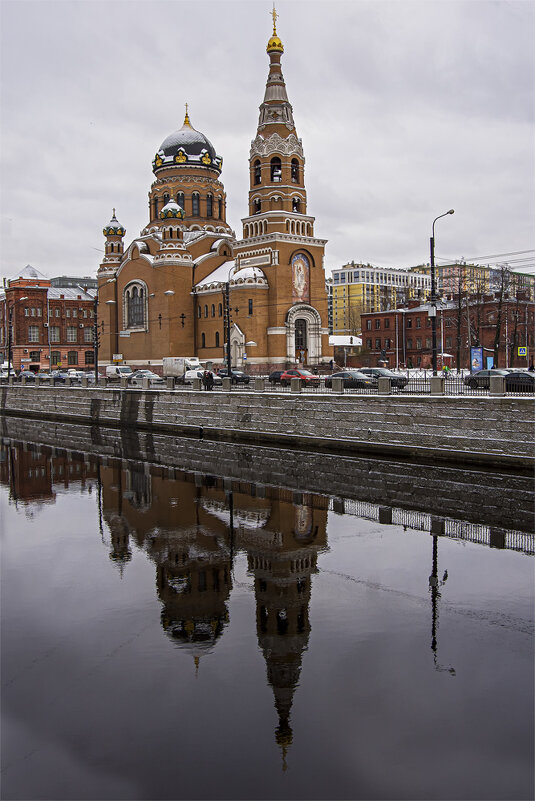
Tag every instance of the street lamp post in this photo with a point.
(433, 309)
(227, 321)
(96, 341)
(10, 335)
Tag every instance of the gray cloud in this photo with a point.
(405, 110)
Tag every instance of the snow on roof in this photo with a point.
(29, 272)
(339, 340)
(69, 293)
(219, 276)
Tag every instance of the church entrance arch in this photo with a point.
(303, 334)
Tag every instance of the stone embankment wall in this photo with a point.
(483, 497)
(492, 431)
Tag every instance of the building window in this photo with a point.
(54, 333)
(88, 334)
(33, 333)
(58, 313)
(75, 312)
(35, 355)
(209, 205)
(250, 306)
(39, 312)
(134, 302)
(387, 323)
(72, 333)
(206, 310)
(72, 357)
(220, 208)
(217, 339)
(26, 312)
(180, 199)
(409, 322)
(166, 199)
(387, 343)
(276, 170)
(199, 312)
(369, 344)
(195, 204)
(257, 173)
(296, 205)
(203, 340)
(378, 343)
(378, 323)
(33, 312)
(418, 322)
(213, 309)
(220, 310)
(428, 343)
(89, 357)
(295, 171)
(418, 343)
(67, 312)
(55, 357)
(368, 325)
(409, 343)
(448, 342)
(257, 206)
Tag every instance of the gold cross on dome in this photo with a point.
(274, 15)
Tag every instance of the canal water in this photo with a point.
(178, 633)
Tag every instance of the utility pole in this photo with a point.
(96, 341)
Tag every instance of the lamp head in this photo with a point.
(451, 211)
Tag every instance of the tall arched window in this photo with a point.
(257, 172)
(220, 208)
(257, 206)
(134, 306)
(195, 202)
(213, 309)
(220, 310)
(217, 339)
(180, 199)
(296, 204)
(206, 310)
(199, 311)
(165, 199)
(155, 207)
(295, 171)
(209, 205)
(203, 340)
(276, 170)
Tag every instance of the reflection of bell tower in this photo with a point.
(120, 553)
(282, 570)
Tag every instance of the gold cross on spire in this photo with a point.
(186, 118)
(274, 15)
(113, 215)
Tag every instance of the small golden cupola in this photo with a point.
(274, 45)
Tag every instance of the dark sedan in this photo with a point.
(353, 379)
(397, 380)
(236, 376)
(482, 378)
(520, 381)
(28, 375)
(275, 376)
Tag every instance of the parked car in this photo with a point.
(275, 376)
(28, 375)
(237, 376)
(482, 378)
(61, 376)
(189, 375)
(136, 378)
(308, 378)
(118, 371)
(397, 380)
(520, 381)
(353, 379)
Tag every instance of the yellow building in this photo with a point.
(362, 288)
(165, 293)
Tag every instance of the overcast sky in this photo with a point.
(405, 110)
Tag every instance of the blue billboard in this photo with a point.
(476, 360)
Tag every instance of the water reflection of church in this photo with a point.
(193, 526)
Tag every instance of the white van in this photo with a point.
(118, 371)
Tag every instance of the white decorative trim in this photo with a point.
(276, 144)
(314, 331)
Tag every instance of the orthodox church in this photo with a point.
(187, 284)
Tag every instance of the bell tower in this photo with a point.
(278, 233)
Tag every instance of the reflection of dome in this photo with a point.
(187, 146)
(199, 635)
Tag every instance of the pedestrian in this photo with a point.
(205, 379)
(531, 368)
(209, 381)
(331, 365)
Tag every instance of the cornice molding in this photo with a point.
(276, 144)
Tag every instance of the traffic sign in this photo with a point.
(522, 351)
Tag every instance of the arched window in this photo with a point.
(296, 204)
(195, 200)
(300, 334)
(134, 306)
(257, 172)
(257, 206)
(155, 206)
(206, 310)
(276, 170)
(199, 311)
(220, 310)
(213, 309)
(165, 199)
(209, 205)
(217, 339)
(250, 304)
(220, 208)
(295, 171)
(180, 199)
(203, 340)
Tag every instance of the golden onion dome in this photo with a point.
(275, 45)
